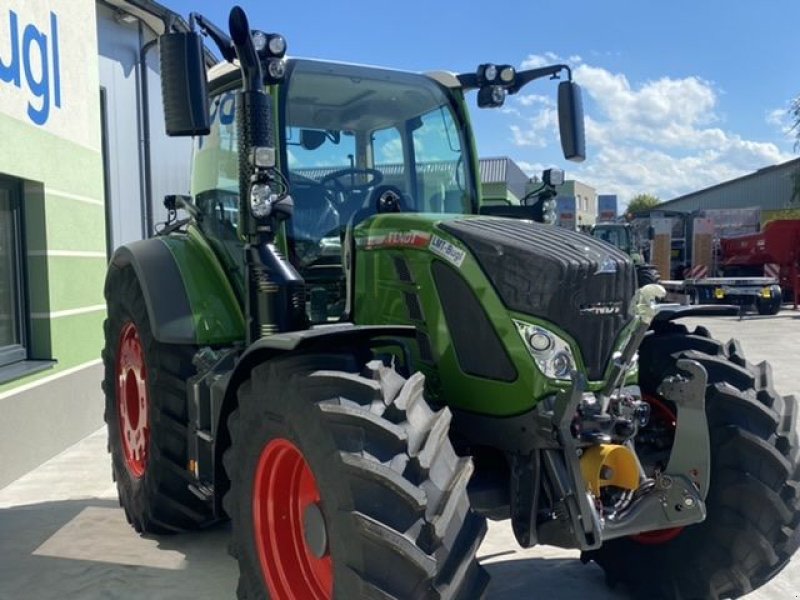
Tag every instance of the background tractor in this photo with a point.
(622, 236)
(341, 350)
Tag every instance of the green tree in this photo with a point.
(642, 202)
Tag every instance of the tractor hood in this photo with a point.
(573, 280)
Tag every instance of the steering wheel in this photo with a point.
(336, 179)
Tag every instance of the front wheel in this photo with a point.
(771, 306)
(146, 415)
(345, 485)
(646, 274)
(752, 528)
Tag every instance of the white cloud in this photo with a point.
(663, 136)
(534, 61)
(391, 152)
(779, 117)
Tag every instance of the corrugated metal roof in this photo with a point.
(493, 170)
(502, 169)
(767, 188)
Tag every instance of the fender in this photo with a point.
(671, 312)
(188, 296)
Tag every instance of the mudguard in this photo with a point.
(188, 295)
(670, 312)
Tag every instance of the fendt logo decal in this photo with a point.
(395, 239)
(601, 309)
(32, 54)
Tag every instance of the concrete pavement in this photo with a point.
(63, 535)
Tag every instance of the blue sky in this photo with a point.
(678, 95)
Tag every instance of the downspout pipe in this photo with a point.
(146, 154)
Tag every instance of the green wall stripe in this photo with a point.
(32, 153)
(68, 225)
(75, 340)
(71, 282)
(78, 338)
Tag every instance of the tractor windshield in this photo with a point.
(614, 235)
(349, 137)
(354, 134)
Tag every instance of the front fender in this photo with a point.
(188, 296)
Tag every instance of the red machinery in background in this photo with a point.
(774, 252)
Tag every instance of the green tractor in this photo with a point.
(348, 356)
(621, 235)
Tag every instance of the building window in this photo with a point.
(12, 298)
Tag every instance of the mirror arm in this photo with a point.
(468, 81)
(523, 78)
(208, 28)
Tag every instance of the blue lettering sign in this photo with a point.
(34, 52)
(222, 109)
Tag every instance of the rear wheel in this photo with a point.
(753, 523)
(145, 390)
(345, 485)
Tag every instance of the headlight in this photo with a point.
(562, 365)
(552, 353)
(766, 293)
(719, 293)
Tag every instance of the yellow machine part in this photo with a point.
(609, 464)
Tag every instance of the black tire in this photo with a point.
(751, 530)
(768, 307)
(158, 500)
(393, 492)
(646, 274)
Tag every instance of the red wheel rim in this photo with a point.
(283, 491)
(660, 536)
(132, 400)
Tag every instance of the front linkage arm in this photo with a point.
(674, 498)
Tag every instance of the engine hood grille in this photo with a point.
(579, 283)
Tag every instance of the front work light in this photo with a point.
(507, 74)
(487, 73)
(261, 199)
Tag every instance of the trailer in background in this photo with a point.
(773, 252)
(762, 293)
(695, 249)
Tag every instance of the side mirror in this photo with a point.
(570, 121)
(184, 89)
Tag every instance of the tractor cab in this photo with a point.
(354, 142)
